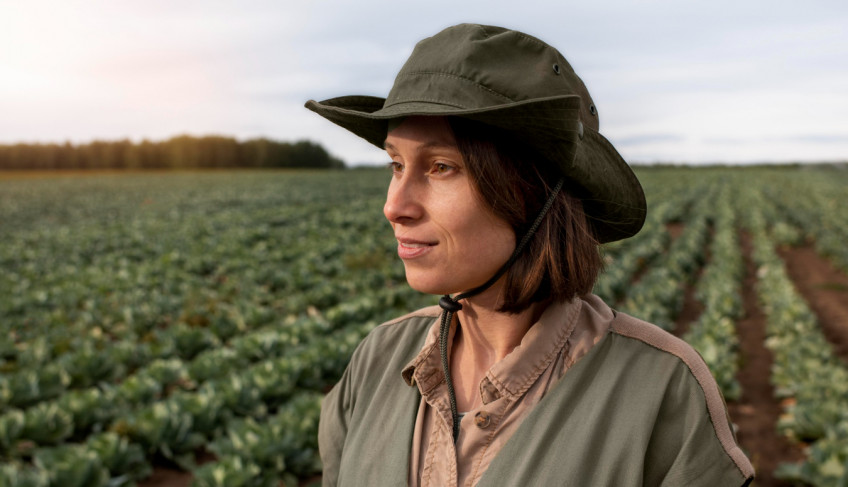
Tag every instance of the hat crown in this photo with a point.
(472, 66)
(516, 83)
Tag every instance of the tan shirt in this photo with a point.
(510, 389)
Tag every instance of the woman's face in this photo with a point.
(448, 240)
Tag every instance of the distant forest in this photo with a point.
(182, 152)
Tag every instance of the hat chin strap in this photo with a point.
(451, 305)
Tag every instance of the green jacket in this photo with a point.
(639, 409)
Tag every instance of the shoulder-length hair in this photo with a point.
(562, 260)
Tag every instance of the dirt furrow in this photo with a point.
(824, 288)
(757, 411)
(692, 309)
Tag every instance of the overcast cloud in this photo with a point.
(719, 81)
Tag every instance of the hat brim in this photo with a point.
(612, 196)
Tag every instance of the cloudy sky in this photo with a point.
(675, 81)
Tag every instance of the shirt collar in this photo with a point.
(426, 368)
(516, 372)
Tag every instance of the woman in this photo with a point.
(501, 190)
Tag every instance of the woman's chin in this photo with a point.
(428, 286)
(426, 289)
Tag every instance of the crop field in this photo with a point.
(181, 328)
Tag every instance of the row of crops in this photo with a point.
(807, 376)
(155, 316)
(156, 319)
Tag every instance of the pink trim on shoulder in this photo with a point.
(631, 327)
(429, 312)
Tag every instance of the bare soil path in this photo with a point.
(692, 309)
(757, 411)
(825, 288)
(675, 229)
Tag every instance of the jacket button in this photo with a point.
(482, 419)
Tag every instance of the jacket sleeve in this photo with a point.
(333, 427)
(685, 448)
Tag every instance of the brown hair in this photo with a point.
(562, 259)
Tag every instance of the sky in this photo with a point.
(690, 82)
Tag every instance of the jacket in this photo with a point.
(639, 409)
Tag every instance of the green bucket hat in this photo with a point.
(516, 83)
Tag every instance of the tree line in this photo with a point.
(181, 152)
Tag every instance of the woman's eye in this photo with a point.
(395, 166)
(442, 168)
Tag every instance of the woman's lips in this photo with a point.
(410, 249)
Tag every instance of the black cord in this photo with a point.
(451, 305)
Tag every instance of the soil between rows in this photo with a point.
(824, 288)
(757, 411)
(691, 310)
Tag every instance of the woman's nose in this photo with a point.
(403, 201)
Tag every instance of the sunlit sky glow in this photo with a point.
(694, 82)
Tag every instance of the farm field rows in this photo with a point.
(157, 322)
